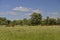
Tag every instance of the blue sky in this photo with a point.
(19, 9)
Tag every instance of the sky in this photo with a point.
(19, 9)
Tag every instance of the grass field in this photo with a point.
(30, 33)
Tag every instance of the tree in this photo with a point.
(8, 23)
(52, 21)
(47, 20)
(18, 22)
(2, 20)
(21, 22)
(36, 19)
(25, 21)
(58, 21)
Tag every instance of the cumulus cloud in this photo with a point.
(28, 14)
(23, 9)
(2, 13)
(20, 9)
(10, 12)
(37, 10)
(54, 14)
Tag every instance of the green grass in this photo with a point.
(30, 33)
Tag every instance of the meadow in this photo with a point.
(30, 33)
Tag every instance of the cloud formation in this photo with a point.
(37, 10)
(54, 14)
(25, 9)
(6, 13)
(22, 9)
(11, 12)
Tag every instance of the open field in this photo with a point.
(30, 33)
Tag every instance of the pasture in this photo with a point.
(30, 33)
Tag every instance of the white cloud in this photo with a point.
(28, 14)
(2, 13)
(37, 10)
(20, 9)
(10, 12)
(23, 9)
(54, 14)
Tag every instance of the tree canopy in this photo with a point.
(36, 19)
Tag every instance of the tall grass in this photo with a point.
(30, 33)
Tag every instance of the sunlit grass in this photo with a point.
(30, 33)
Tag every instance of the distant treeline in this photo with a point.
(36, 19)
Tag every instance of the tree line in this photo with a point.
(36, 19)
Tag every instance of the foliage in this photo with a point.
(36, 19)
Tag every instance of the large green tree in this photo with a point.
(36, 19)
